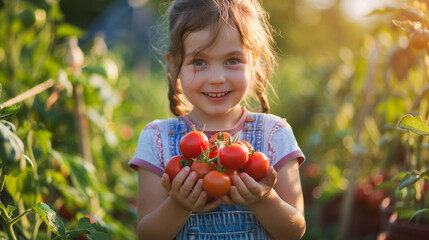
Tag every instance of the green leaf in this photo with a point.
(9, 111)
(414, 124)
(43, 139)
(51, 219)
(95, 231)
(418, 212)
(29, 164)
(68, 30)
(10, 209)
(400, 176)
(409, 181)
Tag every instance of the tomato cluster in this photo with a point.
(216, 160)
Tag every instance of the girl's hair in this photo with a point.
(247, 16)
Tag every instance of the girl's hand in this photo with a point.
(187, 191)
(246, 191)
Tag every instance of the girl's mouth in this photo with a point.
(216, 94)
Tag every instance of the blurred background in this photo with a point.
(93, 75)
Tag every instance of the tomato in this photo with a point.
(213, 150)
(192, 144)
(245, 144)
(218, 140)
(202, 168)
(216, 184)
(233, 156)
(174, 166)
(257, 165)
(222, 136)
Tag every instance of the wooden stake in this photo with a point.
(29, 93)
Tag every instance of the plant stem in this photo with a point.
(418, 153)
(6, 224)
(82, 124)
(13, 221)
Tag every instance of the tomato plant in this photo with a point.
(12, 157)
(257, 166)
(193, 144)
(65, 146)
(216, 184)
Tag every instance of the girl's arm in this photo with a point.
(161, 205)
(279, 209)
(155, 209)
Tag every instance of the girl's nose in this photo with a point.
(217, 75)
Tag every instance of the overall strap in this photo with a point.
(176, 130)
(253, 130)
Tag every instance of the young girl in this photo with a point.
(220, 52)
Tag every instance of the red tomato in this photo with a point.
(192, 144)
(202, 168)
(222, 136)
(174, 166)
(216, 184)
(257, 165)
(245, 144)
(214, 141)
(233, 156)
(213, 150)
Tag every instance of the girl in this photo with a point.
(220, 52)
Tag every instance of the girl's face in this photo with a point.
(216, 79)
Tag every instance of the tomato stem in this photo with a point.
(215, 159)
(183, 163)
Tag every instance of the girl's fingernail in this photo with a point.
(187, 168)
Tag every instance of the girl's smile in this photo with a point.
(217, 96)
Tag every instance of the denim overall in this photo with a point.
(226, 221)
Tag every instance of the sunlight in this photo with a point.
(357, 9)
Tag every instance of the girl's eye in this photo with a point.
(232, 61)
(199, 62)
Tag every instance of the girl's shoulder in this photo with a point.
(270, 120)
